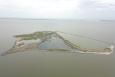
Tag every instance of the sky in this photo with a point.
(58, 9)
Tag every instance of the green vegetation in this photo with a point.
(44, 36)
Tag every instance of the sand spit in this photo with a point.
(43, 36)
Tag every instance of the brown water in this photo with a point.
(56, 64)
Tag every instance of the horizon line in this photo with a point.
(54, 19)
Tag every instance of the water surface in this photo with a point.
(56, 64)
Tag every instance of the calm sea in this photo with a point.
(35, 63)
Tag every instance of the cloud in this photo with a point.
(97, 3)
(42, 8)
(67, 9)
(97, 9)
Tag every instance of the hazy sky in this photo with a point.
(58, 9)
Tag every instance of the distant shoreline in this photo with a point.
(58, 19)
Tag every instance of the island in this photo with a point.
(43, 36)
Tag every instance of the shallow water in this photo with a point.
(56, 64)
